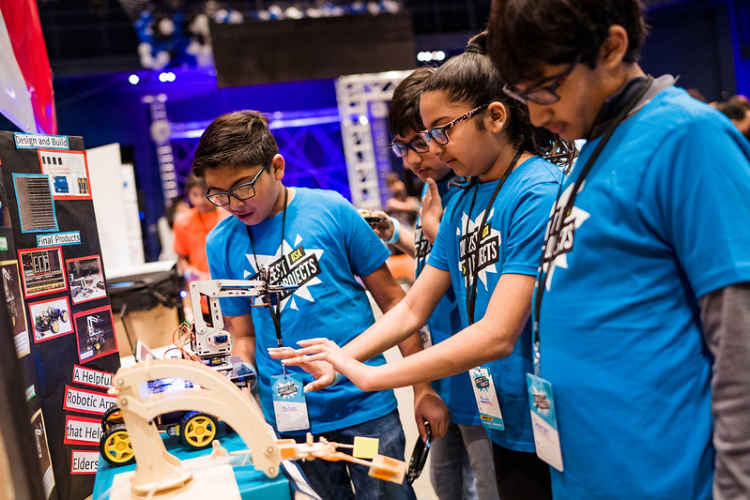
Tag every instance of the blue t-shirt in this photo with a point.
(509, 243)
(326, 243)
(444, 321)
(660, 221)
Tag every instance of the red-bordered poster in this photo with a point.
(42, 271)
(82, 430)
(86, 401)
(89, 376)
(68, 173)
(95, 333)
(50, 318)
(84, 461)
(86, 279)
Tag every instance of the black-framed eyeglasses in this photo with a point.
(440, 134)
(542, 92)
(418, 145)
(241, 192)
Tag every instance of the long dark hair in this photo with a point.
(471, 77)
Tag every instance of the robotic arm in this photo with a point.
(211, 342)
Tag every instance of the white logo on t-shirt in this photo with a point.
(560, 234)
(299, 266)
(478, 248)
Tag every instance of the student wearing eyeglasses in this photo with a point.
(461, 464)
(314, 242)
(487, 252)
(643, 298)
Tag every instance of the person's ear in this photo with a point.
(277, 167)
(613, 50)
(496, 117)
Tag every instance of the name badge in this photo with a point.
(544, 421)
(487, 403)
(289, 403)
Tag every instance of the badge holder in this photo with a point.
(543, 415)
(487, 403)
(289, 403)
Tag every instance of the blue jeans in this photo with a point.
(462, 466)
(334, 480)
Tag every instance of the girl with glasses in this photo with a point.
(487, 252)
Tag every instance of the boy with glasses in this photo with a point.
(642, 304)
(316, 243)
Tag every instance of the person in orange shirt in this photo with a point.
(190, 231)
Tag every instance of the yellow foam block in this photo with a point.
(365, 447)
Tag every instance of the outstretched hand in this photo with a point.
(431, 211)
(322, 358)
(322, 371)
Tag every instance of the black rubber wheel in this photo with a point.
(115, 446)
(197, 430)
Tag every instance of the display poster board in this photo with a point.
(58, 309)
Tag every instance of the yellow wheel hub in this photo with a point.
(199, 431)
(118, 448)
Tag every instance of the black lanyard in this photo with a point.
(470, 278)
(274, 309)
(559, 222)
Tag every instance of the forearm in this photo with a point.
(394, 327)
(405, 242)
(472, 346)
(725, 315)
(243, 337)
(244, 347)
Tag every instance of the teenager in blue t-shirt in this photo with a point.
(487, 248)
(315, 241)
(643, 301)
(461, 464)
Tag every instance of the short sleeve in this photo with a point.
(446, 236)
(697, 187)
(365, 250)
(219, 267)
(181, 246)
(524, 238)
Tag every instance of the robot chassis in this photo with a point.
(159, 472)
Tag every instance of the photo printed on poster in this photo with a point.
(68, 173)
(15, 305)
(36, 208)
(86, 279)
(95, 333)
(42, 450)
(50, 318)
(42, 271)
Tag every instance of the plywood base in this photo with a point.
(209, 481)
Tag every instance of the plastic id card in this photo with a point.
(487, 403)
(544, 421)
(289, 403)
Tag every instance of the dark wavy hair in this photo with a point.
(524, 35)
(238, 139)
(471, 77)
(403, 112)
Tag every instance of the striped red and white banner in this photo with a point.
(26, 95)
